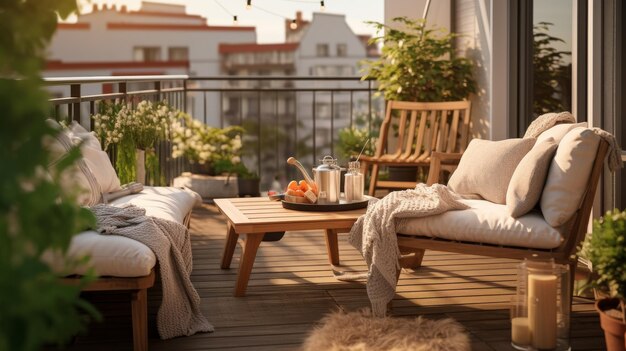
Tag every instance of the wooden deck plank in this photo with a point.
(292, 287)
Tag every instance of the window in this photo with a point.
(147, 54)
(178, 54)
(549, 59)
(322, 50)
(342, 50)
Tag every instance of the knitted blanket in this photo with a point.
(179, 313)
(548, 120)
(374, 235)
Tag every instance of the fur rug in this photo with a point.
(360, 331)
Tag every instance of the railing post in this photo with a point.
(369, 106)
(157, 87)
(121, 87)
(75, 92)
(185, 96)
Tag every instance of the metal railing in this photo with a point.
(283, 116)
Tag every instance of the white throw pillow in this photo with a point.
(97, 160)
(486, 167)
(78, 178)
(568, 175)
(529, 178)
(558, 131)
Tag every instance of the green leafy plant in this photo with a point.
(36, 214)
(353, 139)
(606, 249)
(142, 127)
(551, 82)
(419, 64)
(218, 149)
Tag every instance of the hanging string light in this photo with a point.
(322, 6)
(294, 24)
(235, 19)
(249, 4)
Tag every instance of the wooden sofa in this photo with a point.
(162, 202)
(574, 231)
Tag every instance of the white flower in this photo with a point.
(236, 159)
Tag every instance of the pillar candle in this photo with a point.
(520, 332)
(542, 310)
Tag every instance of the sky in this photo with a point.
(270, 23)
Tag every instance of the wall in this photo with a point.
(439, 13)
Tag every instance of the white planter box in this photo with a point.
(209, 187)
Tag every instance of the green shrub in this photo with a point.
(36, 308)
(606, 249)
(419, 64)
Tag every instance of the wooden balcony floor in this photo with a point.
(292, 287)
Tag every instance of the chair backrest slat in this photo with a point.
(411, 131)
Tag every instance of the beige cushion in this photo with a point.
(113, 255)
(486, 222)
(97, 160)
(529, 178)
(486, 167)
(569, 172)
(78, 178)
(558, 131)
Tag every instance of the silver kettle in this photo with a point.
(328, 177)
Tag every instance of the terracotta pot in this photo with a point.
(614, 329)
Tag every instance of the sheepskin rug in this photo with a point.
(360, 331)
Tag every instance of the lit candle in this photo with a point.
(542, 310)
(520, 332)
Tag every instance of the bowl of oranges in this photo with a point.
(301, 192)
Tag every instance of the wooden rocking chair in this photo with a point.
(422, 128)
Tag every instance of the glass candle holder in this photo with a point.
(541, 306)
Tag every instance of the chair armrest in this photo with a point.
(436, 159)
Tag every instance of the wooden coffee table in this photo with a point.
(251, 218)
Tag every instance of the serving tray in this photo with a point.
(343, 205)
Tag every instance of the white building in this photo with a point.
(156, 39)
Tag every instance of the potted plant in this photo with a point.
(606, 250)
(214, 153)
(135, 132)
(418, 64)
(248, 182)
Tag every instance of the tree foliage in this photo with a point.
(419, 64)
(35, 214)
(551, 73)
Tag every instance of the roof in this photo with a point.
(254, 47)
(57, 65)
(185, 27)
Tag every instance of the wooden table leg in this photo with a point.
(229, 247)
(332, 245)
(250, 248)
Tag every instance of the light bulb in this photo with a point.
(322, 6)
(294, 24)
(235, 21)
(248, 4)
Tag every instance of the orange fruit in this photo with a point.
(293, 185)
(304, 186)
(290, 192)
(299, 193)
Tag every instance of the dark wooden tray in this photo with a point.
(343, 205)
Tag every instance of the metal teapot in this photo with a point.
(328, 177)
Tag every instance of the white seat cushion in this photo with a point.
(114, 255)
(163, 202)
(486, 222)
(110, 255)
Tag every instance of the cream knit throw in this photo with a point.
(179, 313)
(549, 120)
(374, 235)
